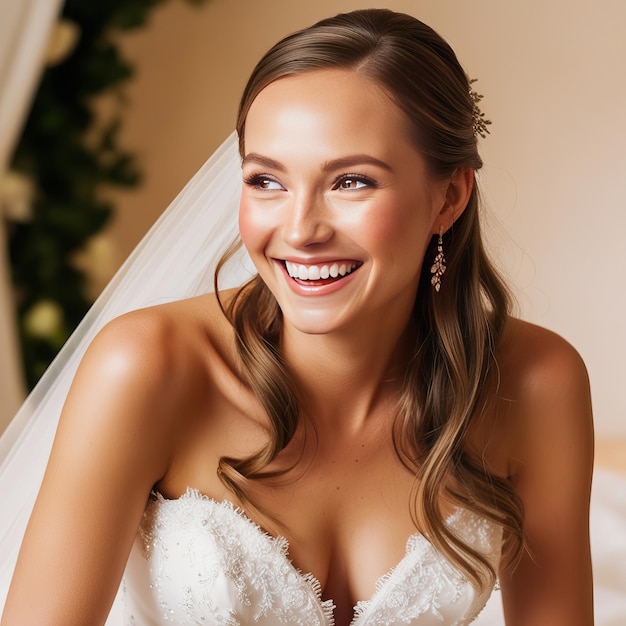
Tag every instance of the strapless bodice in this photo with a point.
(200, 561)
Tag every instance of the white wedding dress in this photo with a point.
(200, 561)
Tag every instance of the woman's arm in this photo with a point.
(113, 443)
(552, 461)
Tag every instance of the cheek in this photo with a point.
(398, 235)
(398, 228)
(253, 228)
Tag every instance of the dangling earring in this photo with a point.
(439, 266)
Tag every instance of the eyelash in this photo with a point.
(255, 180)
(355, 177)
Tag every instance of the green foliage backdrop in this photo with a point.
(70, 156)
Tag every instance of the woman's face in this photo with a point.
(337, 205)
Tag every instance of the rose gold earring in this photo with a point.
(439, 266)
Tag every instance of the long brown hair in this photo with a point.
(451, 376)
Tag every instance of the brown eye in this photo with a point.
(263, 183)
(353, 182)
(269, 184)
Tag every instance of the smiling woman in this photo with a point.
(335, 207)
(364, 409)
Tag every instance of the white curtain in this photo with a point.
(25, 27)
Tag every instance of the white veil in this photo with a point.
(176, 259)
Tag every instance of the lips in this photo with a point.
(325, 271)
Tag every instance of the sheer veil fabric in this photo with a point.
(175, 260)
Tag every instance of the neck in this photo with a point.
(344, 376)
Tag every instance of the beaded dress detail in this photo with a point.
(199, 561)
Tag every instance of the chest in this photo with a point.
(328, 501)
(347, 522)
(197, 560)
(345, 526)
(341, 506)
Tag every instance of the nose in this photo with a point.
(307, 222)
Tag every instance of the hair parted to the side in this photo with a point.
(453, 374)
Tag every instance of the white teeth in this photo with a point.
(315, 272)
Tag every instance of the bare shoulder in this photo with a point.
(542, 397)
(544, 424)
(135, 393)
(153, 346)
(545, 389)
(164, 342)
(534, 357)
(155, 361)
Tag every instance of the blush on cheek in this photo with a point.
(389, 224)
(255, 227)
(246, 224)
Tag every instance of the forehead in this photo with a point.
(323, 103)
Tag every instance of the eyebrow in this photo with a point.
(253, 157)
(356, 159)
(334, 164)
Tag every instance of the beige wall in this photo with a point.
(552, 72)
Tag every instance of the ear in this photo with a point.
(457, 195)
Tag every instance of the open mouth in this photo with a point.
(321, 273)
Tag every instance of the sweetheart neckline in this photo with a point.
(361, 609)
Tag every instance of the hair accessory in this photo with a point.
(439, 266)
(479, 122)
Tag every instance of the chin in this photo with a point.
(312, 321)
(311, 324)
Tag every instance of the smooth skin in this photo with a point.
(158, 400)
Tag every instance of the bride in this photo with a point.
(361, 433)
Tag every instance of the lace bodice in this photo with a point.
(200, 561)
